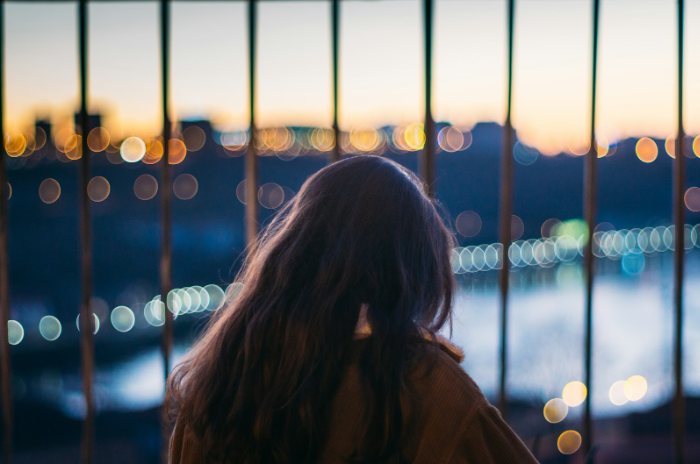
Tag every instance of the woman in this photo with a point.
(329, 353)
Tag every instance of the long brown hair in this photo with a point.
(256, 387)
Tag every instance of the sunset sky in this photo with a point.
(381, 65)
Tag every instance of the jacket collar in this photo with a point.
(363, 329)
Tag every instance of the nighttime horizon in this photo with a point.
(548, 129)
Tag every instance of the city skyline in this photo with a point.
(381, 73)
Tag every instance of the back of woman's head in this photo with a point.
(257, 385)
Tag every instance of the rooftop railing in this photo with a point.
(602, 244)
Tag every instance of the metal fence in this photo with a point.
(427, 171)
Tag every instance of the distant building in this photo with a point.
(94, 120)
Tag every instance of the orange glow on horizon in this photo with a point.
(381, 69)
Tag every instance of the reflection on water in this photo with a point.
(633, 327)
(135, 384)
(632, 362)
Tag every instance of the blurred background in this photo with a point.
(380, 112)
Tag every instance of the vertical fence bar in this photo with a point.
(335, 32)
(679, 255)
(590, 206)
(506, 215)
(88, 320)
(427, 161)
(166, 187)
(251, 156)
(165, 205)
(5, 367)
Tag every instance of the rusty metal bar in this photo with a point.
(335, 32)
(506, 215)
(166, 206)
(251, 156)
(88, 320)
(166, 187)
(590, 206)
(5, 363)
(679, 255)
(427, 161)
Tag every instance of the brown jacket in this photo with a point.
(454, 423)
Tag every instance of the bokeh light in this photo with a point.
(73, 147)
(696, 146)
(242, 191)
(549, 227)
(50, 328)
(184, 300)
(145, 187)
(64, 140)
(365, 138)
(98, 139)
(524, 154)
(177, 151)
(670, 146)
(603, 146)
(98, 189)
(633, 264)
(204, 299)
(78, 323)
(49, 191)
(233, 290)
(635, 388)
(578, 147)
(122, 318)
(154, 312)
(555, 410)
(194, 138)
(517, 228)
(323, 139)
(154, 151)
(468, 223)
(692, 199)
(455, 261)
(617, 393)
(234, 141)
(574, 393)
(15, 332)
(646, 149)
(276, 139)
(569, 442)
(185, 186)
(271, 195)
(114, 157)
(195, 298)
(451, 139)
(133, 149)
(15, 143)
(216, 297)
(414, 136)
(173, 302)
(30, 144)
(39, 138)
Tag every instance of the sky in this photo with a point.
(381, 65)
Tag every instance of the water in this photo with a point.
(633, 328)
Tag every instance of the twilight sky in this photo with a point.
(381, 65)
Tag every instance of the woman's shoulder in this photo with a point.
(442, 381)
(447, 404)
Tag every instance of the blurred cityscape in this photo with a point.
(632, 377)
